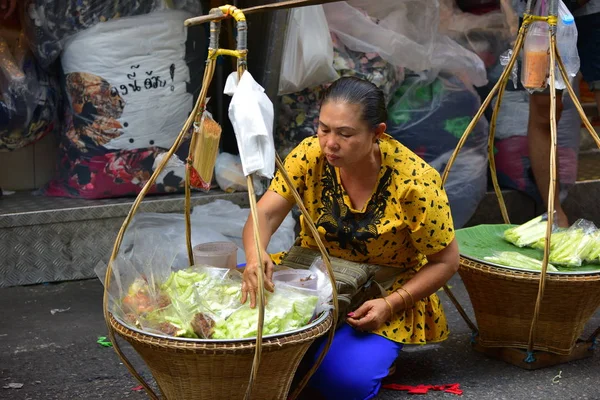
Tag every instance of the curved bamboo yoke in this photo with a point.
(215, 16)
(555, 59)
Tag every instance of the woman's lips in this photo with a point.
(331, 157)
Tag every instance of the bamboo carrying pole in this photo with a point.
(214, 17)
(498, 88)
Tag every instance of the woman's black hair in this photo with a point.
(354, 90)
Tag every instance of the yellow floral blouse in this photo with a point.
(406, 218)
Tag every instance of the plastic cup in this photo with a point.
(216, 254)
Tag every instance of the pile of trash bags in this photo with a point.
(416, 53)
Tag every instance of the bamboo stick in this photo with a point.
(462, 141)
(584, 119)
(491, 137)
(260, 298)
(459, 308)
(257, 9)
(312, 227)
(551, 190)
(484, 105)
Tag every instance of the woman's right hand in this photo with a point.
(250, 277)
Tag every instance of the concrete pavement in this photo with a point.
(55, 356)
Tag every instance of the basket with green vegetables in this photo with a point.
(572, 250)
(204, 302)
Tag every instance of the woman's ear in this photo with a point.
(380, 130)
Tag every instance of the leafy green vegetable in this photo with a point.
(555, 238)
(528, 233)
(593, 254)
(572, 249)
(284, 312)
(518, 260)
(208, 305)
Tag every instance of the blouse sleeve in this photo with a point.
(428, 214)
(295, 165)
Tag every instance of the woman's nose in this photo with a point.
(332, 143)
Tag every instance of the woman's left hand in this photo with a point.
(370, 316)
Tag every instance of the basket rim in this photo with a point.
(308, 331)
(533, 272)
(491, 268)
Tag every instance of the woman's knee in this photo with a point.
(346, 382)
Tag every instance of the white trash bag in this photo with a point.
(307, 52)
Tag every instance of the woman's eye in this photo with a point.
(344, 135)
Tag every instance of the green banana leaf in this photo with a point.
(482, 241)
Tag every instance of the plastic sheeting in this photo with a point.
(429, 117)
(404, 33)
(217, 221)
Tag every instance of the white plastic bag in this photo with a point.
(307, 52)
(251, 114)
(147, 76)
(230, 175)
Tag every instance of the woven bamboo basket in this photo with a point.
(208, 370)
(504, 300)
(535, 311)
(237, 369)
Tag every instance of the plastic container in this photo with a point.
(536, 57)
(216, 254)
(566, 42)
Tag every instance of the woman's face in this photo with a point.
(345, 138)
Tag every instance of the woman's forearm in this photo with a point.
(265, 231)
(272, 209)
(440, 268)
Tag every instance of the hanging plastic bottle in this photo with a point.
(566, 41)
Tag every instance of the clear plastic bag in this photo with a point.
(504, 60)
(217, 221)
(314, 281)
(443, 105)
(308, 52)
(230, 175)
(518, 260)
(575, 245)
(593, 254)
(405, 34)
(402, 33)
(199, 302)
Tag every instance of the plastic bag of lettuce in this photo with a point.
(204, 302)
